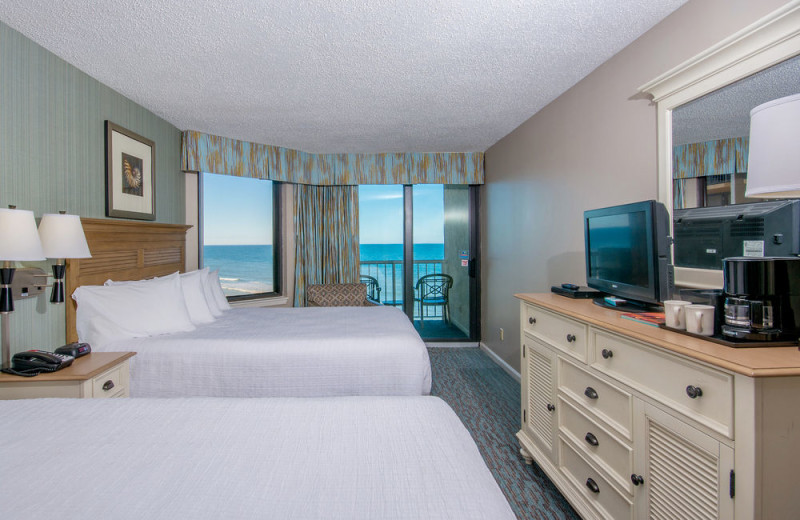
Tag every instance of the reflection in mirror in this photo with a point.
(710, 137)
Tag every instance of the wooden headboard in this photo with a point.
(124, 250)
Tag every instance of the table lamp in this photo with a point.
(773, 168)
(19, 241)
(62, 237)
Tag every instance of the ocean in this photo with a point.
(248, 269)
(242, 269)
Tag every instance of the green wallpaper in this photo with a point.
(52, 156)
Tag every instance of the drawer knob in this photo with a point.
(592, 485)
(590, 392)
(532, 320)
(570, 338)
(636, 479)
(694, 391)
(591, 439)
(607, 354)
(108, 385)
(550, 407)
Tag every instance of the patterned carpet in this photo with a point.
(487, 400)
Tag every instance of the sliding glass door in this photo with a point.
(419, 248)
(380, 210)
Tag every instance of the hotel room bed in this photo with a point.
(348, 457)
(283, 352)
(250, 352)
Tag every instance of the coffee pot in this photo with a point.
(761, 298)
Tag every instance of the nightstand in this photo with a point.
(96, 375)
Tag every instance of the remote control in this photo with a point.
(570, 286)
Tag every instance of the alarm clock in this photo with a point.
(75, 350)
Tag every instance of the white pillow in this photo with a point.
(194, 294)
(208, 290)
(144, 280)
(97, 330)
(131, 309)
(216, 289)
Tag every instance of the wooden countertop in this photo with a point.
(752, 361)
(81, 369)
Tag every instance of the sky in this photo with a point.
(381, 214)
(238, 211)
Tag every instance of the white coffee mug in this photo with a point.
(674, 315)
(700, 319)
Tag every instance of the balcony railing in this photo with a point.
(389, 274)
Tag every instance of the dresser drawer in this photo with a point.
(110, 383)
(667, 378)
(608, 502)
(564, 333)
(613, 405)
(600, 446)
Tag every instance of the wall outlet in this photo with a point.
(501, 334)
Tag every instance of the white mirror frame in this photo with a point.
(770, 40)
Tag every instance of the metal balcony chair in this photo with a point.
(433, 290)
(373, 288)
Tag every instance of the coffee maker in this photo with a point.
(761, 298)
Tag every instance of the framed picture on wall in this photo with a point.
(130, 174)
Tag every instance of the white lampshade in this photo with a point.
(19, 240)
(62, 236)
(773, 169)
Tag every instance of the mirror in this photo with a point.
(706, 84)
(716, 127)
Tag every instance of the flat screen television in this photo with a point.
(627, 253)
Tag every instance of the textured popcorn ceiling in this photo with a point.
(340, 76)
(726, 112)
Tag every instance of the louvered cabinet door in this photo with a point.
(684, 473)
(539, 396)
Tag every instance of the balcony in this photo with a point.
(389, 274)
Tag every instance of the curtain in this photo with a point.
(720, 157)
(214, 154)
(326, 231)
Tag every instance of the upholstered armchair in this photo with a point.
(338, 295)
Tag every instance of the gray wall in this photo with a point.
(52, 157)
(594, 146)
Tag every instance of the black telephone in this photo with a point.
(33, 362)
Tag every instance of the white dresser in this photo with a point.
(632, 421)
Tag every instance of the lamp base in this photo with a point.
(5, 356)
(57, 295)
(6, 297)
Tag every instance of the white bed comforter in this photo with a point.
(349, 458)
(284, 352)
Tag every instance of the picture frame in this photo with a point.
(130, 174)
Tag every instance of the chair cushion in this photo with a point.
(438, 300)
(337, 295)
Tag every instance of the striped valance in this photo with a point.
(719, 157)
(214, 154)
